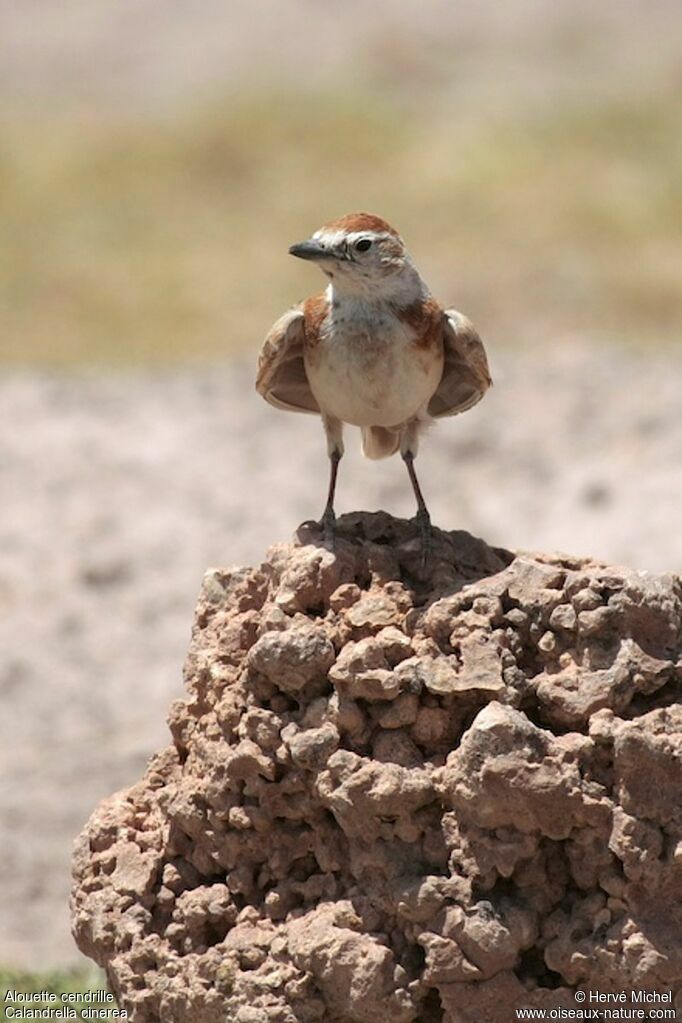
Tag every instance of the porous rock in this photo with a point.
(401, 794)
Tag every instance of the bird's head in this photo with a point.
(358, 252)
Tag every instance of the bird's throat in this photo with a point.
(369, 297)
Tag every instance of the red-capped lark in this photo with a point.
(374, 350)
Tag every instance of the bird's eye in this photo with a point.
(363, 245)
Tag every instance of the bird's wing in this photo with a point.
(466, 377)
(281, 377)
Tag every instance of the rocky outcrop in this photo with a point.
(401, 794)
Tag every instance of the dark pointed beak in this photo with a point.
(310, 250)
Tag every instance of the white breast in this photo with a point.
(366, 370)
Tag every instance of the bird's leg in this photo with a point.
(408, 451)
(334, 431)
(328, 520)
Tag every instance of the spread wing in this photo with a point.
(466, 377)
(281, 377)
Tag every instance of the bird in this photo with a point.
(373, 350)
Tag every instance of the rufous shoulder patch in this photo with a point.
(315, 311)
(425, 317)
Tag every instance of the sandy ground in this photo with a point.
(119, 491)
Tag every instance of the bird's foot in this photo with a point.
(328, 526)
(423, 520)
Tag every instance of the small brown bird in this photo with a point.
(374, 350)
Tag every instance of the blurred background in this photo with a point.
(156, 161)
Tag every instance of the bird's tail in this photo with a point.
(379, 441)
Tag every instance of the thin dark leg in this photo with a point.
(423, 517)
(328, 520)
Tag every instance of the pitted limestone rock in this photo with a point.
(401, 795)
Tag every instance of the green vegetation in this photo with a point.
(158, 240)
(57, 983)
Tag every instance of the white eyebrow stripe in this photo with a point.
(333, 238)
